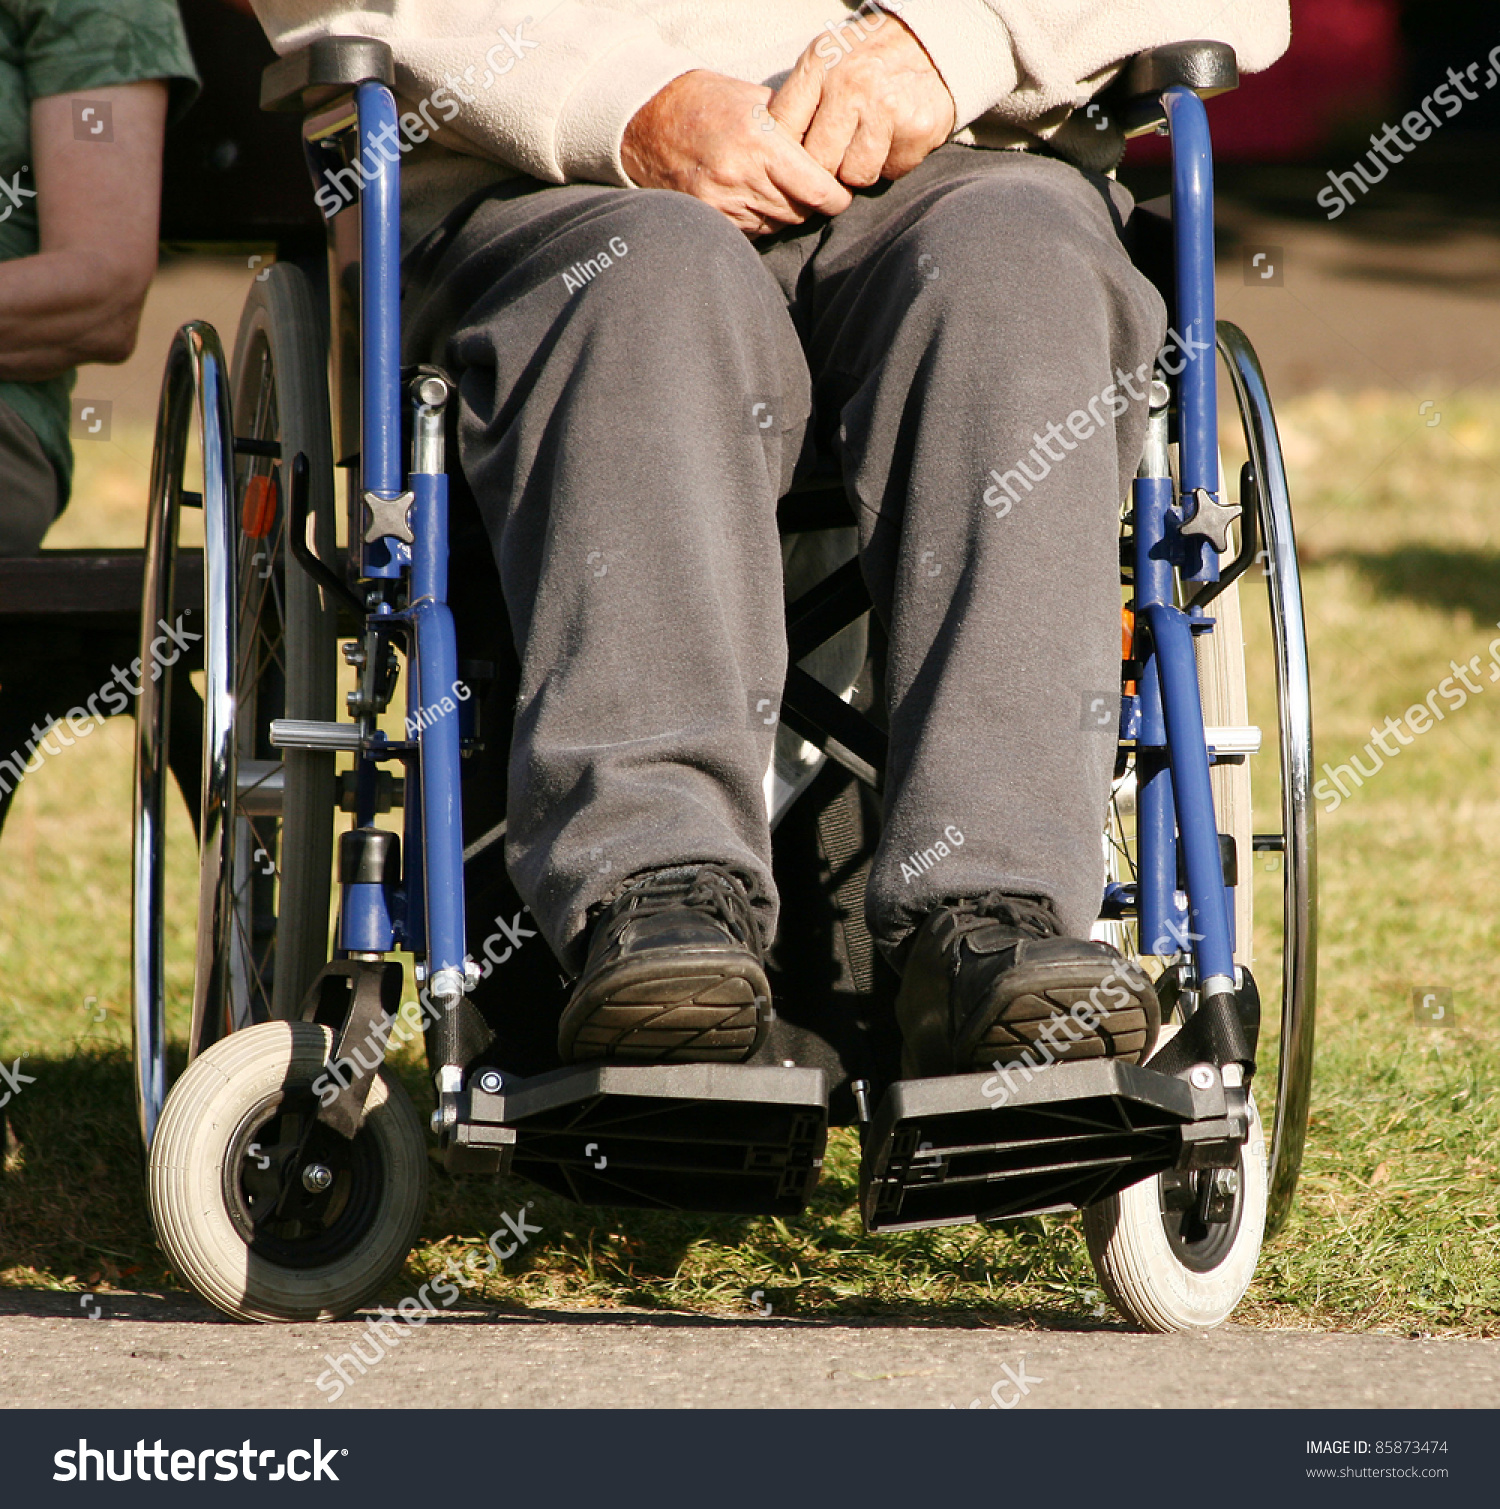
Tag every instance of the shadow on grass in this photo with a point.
(73, 1216)
(72, 1190)
(1429, 576)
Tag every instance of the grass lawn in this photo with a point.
(1395, 1226)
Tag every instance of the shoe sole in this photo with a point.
(1044, 991)
(685, 1010)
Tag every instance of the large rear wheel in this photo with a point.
(1281, 859)
(264, 819)
(285, 799)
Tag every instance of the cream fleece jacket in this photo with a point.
(547, 87)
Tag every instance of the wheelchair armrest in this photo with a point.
(1207, 68)
(315, 74)
(1131, 102)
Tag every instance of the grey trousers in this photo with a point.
(639, 384)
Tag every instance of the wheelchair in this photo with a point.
(288, 1170)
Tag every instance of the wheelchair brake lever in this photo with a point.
(317, 569)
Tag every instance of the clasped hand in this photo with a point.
(863, 102)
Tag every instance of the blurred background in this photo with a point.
(1380, 334)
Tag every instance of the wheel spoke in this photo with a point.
(265, 843)
(252, 612)
(250, 967)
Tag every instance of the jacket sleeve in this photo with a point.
(547, 86)
(1019, 61)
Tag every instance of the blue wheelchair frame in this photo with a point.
(1164, 718)
(1166, 714)
(425, 914)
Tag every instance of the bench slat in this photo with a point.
(78, 585)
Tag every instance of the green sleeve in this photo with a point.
(73, 45)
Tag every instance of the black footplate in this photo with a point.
(982, 1147)
(719, 1138)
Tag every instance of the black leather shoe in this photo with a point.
(673, 976)
(984, 978)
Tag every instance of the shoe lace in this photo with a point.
(1032, 915)
(706, 887)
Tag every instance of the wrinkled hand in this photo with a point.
(714, 138)
(872, 112)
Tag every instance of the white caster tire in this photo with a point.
(1164, 1270)
(340, 1231)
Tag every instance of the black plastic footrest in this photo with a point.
(974, 1147)
(727, 1138)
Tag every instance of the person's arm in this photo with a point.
(1023, 60)
(546, 86)
(899, 82)
(572, 92)
(79, 298)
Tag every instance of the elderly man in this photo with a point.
(676, 253)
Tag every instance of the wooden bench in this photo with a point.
(88, 589)
(68, 619)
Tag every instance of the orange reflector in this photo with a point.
(258, 512)
(1127, 643)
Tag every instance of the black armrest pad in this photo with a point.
(1207, 68)
(314, 74)
(1134, 97)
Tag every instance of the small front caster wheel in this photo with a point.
(263, 1210)
(1176, 1252)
